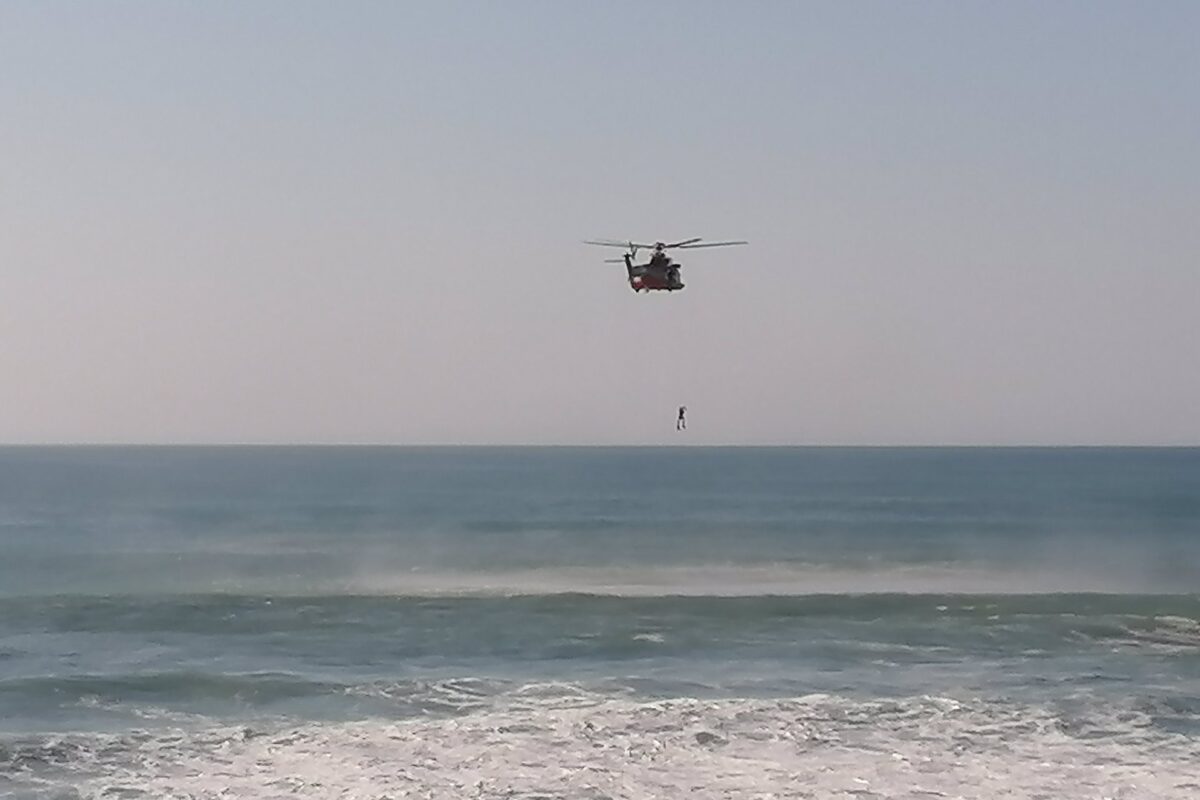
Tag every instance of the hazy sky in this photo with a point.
(361, 222)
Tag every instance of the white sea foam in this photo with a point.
(735, 580)
(557, 741)
(1168, 631)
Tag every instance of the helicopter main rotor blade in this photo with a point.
(614, 243)
(709, 244)
(681, 244)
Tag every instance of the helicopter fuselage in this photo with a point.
(659, 274)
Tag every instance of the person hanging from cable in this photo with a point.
(681, 420)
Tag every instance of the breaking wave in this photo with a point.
(563, 741)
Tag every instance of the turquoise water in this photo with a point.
(599, 622)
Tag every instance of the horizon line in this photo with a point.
(611, 446)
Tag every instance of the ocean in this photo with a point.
(325, 622)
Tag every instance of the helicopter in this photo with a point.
(660, 273)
